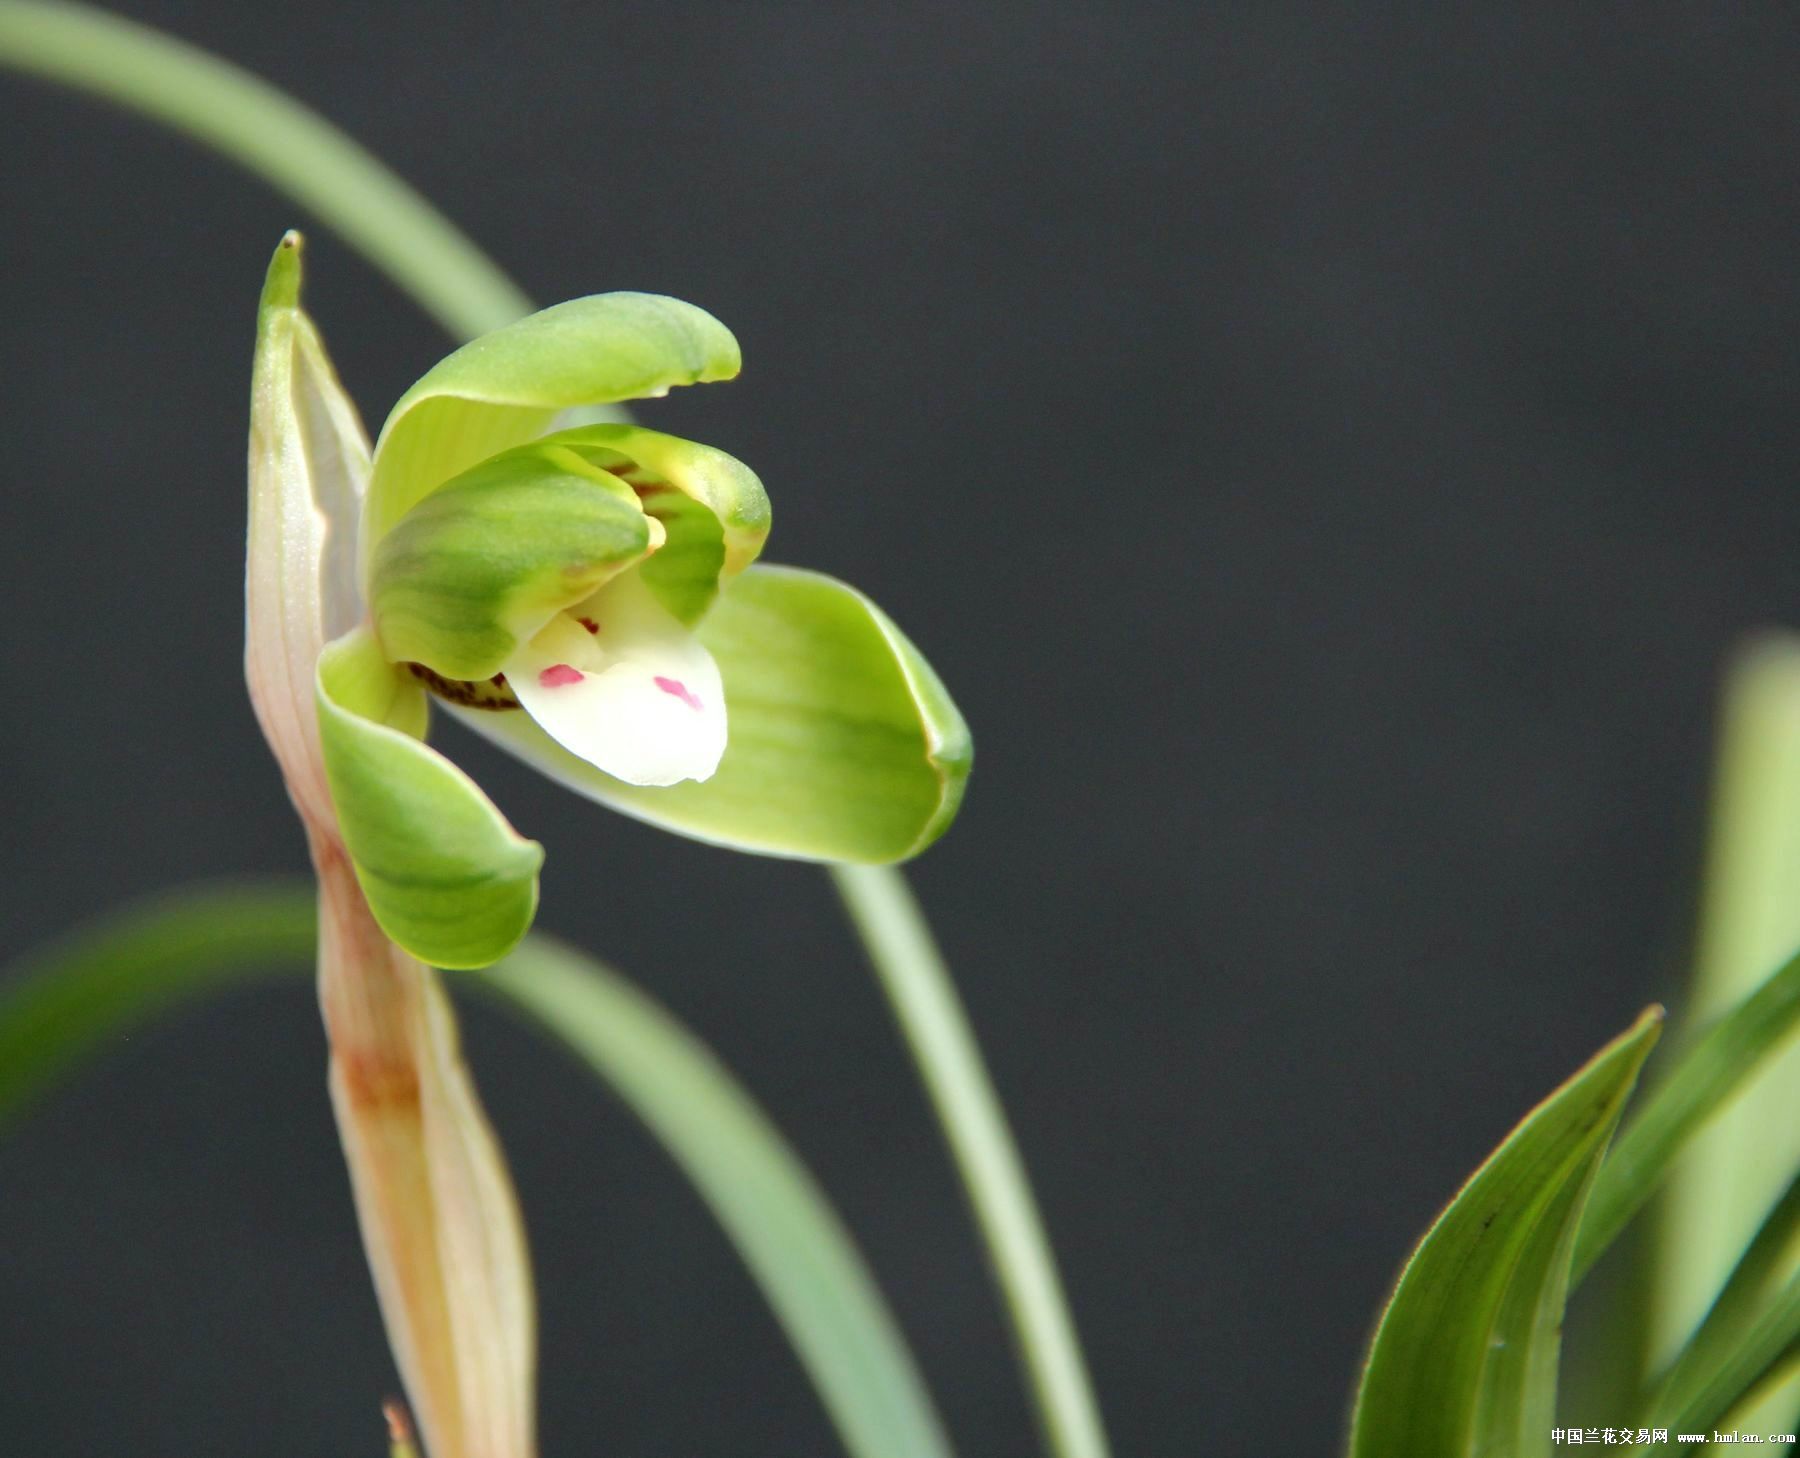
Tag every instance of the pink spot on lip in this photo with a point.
(560, 675)
(679, 690)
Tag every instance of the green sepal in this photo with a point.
(446, 877)
(506, 388)
(713, 509)
(487, 559)
(308, 464)
(843, 744)
(1464, 1360)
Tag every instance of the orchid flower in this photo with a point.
(589, 598)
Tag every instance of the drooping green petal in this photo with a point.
(714, 511)
(482, 563)
(1464, 1361)
(843, 744)
(506, 387)
(447, 878)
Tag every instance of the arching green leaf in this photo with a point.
(69, 1000)
(782, 1224)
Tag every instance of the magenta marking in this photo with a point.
(560, 675)
(680, 690)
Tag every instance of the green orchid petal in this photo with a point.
(447, 878)
(485, 561)
(507, 387)
(843, 744)
(714, 511)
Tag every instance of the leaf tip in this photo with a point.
(1645, 1030)
(281, 287)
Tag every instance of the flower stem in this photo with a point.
(924, 999)
(276, 138)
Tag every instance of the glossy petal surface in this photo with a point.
(447, 878)
(486, 560)
(506, 388)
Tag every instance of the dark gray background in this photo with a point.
(1328, 451)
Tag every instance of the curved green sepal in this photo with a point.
(486, 560)
(505, 388)
(714, 510)
(308, 464)
(1464, 1360)
(843, 744)
(447, 878)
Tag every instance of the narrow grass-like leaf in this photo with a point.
(1723, 1184)
(1716, 1066)
(1464, 1359)
(770, 1207)
(1743, 1334)
(65, 1002)
(289, 146)
(1702, 1398)
(937, 1028)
